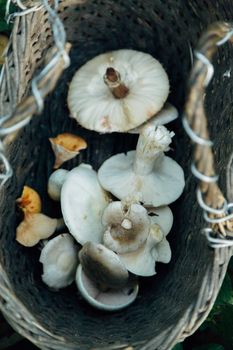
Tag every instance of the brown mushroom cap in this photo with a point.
(103, 266)
(66, 146)
(29, 201)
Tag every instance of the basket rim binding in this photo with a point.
(14, 311)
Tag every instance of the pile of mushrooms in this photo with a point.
(116, 220)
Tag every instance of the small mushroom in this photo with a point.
(163, 217)
(60, 260)
(103, 266)
(117, 91)
(158, 178)
(164, 116)
(56, 180)
(127, 224)
(29, 201)
(82, 202)
(35, 227)
(3, 44)
(108, 300)
(66, 146)
(156, 248)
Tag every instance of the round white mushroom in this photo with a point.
(158, 178)
(165, 116)
(83, 202)
(156, 248)
(56, 180)
(60, 259)
(127, 226)
(108, 300)
(118, 91)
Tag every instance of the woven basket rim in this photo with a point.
(23, 321)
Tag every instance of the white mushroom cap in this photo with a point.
(166, 115)
(56, 180)
(159, 188)
(91, 98)
(83, 202)
(60, 259)
(109, 300)
(159, 179)
(156, 248)
(127, 226)
(103, 266)
(34, 227)
(163, 217)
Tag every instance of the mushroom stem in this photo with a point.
(152, 144)
(126, 224)
(112, 79)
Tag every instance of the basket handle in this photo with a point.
(41, 85)
(210, 197)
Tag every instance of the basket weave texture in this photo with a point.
(173, 304)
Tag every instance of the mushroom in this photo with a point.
(29, 201)
(127, 226)
(156, 248)
(117, 91)
(164, 116)
(60, 260)
(163, 217)
(108, 300)
(35, 227)
(82, 202)
(103, 266)
(56, 180)
(66, 146)
(158, 178)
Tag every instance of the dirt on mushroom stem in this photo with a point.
(112, 79)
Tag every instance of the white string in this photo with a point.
(203, 177)
(217, 242)
(209, 209)
(208, 64)
(25, 10)
(214, 242)
(193, 136)
(226, 38)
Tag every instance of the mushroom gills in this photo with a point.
(127, 226)
(117, 91)
(156, 248)
(108, 300)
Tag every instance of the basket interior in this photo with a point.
(167, 30)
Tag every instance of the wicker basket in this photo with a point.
(8, 337)
(172, 305)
